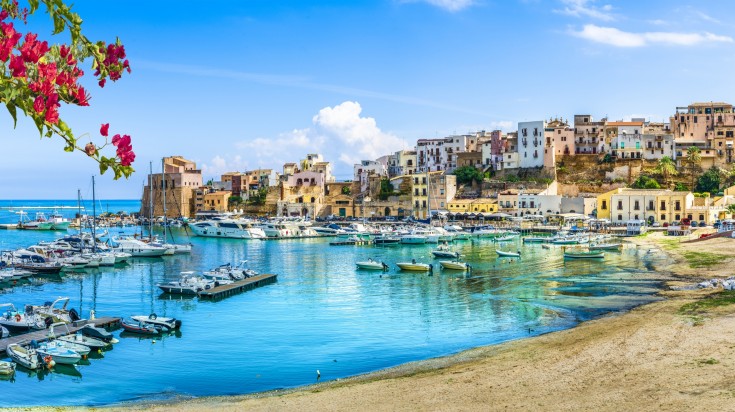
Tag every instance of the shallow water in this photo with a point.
(322, 314)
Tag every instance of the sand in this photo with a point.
(651, 358)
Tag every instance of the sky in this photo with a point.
(241, 85)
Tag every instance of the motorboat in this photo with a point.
(56, 311)
(606, 246)
(535, 239)
(444, 252)
(386, 240)
(164, 324)
(371, 264)
(44, 268)
(227, 228)
(139, 327)
(7, 368)
(23, 356)
(505, 238)
(20, 322)
(136, 247)
(98, 333)
(58, 352)
(88, 341)
(4, 333)
(188, 284)
(583, 254)
(503, 253)
(454, 265)
(415, 266)
(230, 272)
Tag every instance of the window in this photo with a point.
(423, 180)
(636, 206)
(620, 217)
(663, 205)
(650, 205)
(663, 217)
(424, 192)
(423, 204)
(701, 217)
(416, 192)
(604, 205)
(677, 207)
(695, 119)
(620, 205)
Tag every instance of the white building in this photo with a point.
(367, 168)
(441, 154)
(531, 144)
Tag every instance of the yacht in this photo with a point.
(230, 228)
(136, 247)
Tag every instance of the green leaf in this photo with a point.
(14, 113)
(103, 168)
(33, 6)
(58, 24)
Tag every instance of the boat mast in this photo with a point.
(94, 218)
(428, 194)
(150, 203)
(79, 209)
(163, 189)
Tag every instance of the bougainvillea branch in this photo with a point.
(37, 79)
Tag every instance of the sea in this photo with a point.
(322, 314)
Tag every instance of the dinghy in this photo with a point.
(138, 327)
(7, 368)
(414, 266)
(502, 253)
(159, 322)
(454, 265)
(25, 357)
(371, 264)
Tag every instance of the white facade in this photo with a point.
(540, 205)
(441, 154)
(401, 163)
(531, 144)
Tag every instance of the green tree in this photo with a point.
(680, 187)
(468, 174)
(37, 79)
(731, 208)
(666, 168)
(386, 189)
(709, 181)
(645, 182)
(694, 158)
(346, 190)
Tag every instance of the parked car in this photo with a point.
(702, 223)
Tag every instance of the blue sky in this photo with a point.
(237, 85)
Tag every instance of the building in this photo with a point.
(531, 144)
(365, 169)
(578, 204)
(560, 138)
(432, 195)
(402, 162)
(473, 159)
(338, 200)
(708, 126)
(217, 200)
(588, 135)
(182, 180)
(480, 205)
(624, 204)
(441, 154)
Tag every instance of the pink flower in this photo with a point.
(39, 105)
(102, 82)
(52, 115)
(17, 67)
(116, 139)
(104, 129)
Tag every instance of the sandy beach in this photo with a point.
(674, 354)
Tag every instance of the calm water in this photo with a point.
(321, 314)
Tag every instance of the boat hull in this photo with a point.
(584, 255)
(369, 265)
(415, 267)
(507, 254)
(453, 265)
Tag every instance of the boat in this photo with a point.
(17, 322)
(503, 253)
(136, 247)
(81, 349)
(583, 254)
(7, 368)
(535, 239)
(606, 246)
(98, 333)
(58, 222)
(444, 252)
(230, 272)
(413, 238)
(58, 352)
(371, 264)
(4, 333)
(39, 223)
(138, 327)
(23, 356)
(414, 266)
(387, 240)
(56, 312)
(88, 341)
(454, 265)
(227, 228)
(188, 284)
(159, 322)
(505, 238)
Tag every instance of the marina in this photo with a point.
(221, 292)
(42, 335)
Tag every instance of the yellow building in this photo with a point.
(482, 205)
(652, 205)
(603, 203)
(217, 200)
(440, 191)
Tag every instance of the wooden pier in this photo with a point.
(221, 292)
(42, 335)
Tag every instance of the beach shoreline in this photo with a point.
(650, 357)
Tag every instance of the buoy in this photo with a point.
(153, 341)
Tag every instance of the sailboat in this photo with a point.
(177, 248)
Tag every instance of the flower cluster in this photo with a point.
(124, 148)
(114, 62)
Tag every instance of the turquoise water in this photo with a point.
(322, 314)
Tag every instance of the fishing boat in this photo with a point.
(583, 254)
(371, 264)
(7, 368)
(58, 221)
(139, 327)
(414, 266)
(39, 223)
(503, 253)
(23, 356)
(454, 265)
(159, 322)
(606, 246)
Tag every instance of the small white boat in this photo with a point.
(606, 246)
(583, 254)
(371, 264)
(454, 265)
(25, 357)
(444, 252)
(59, 353)
(535, 239)
(506, 238)
(79, 339)
(7, 368)
(502, 253)
(414, 266)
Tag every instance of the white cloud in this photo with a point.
(220, 165)
(619, 38)
(584, 8)
(706, 17)
(450, 5)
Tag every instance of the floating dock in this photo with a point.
(42, 335)
(221, 292)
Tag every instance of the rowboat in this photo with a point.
(139, 327)
(413, 266)
(371, 265)
(583, 254)
(502, 253)
(454, 265)
(606, 246)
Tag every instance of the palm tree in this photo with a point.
(694, 157)
(666, 168)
